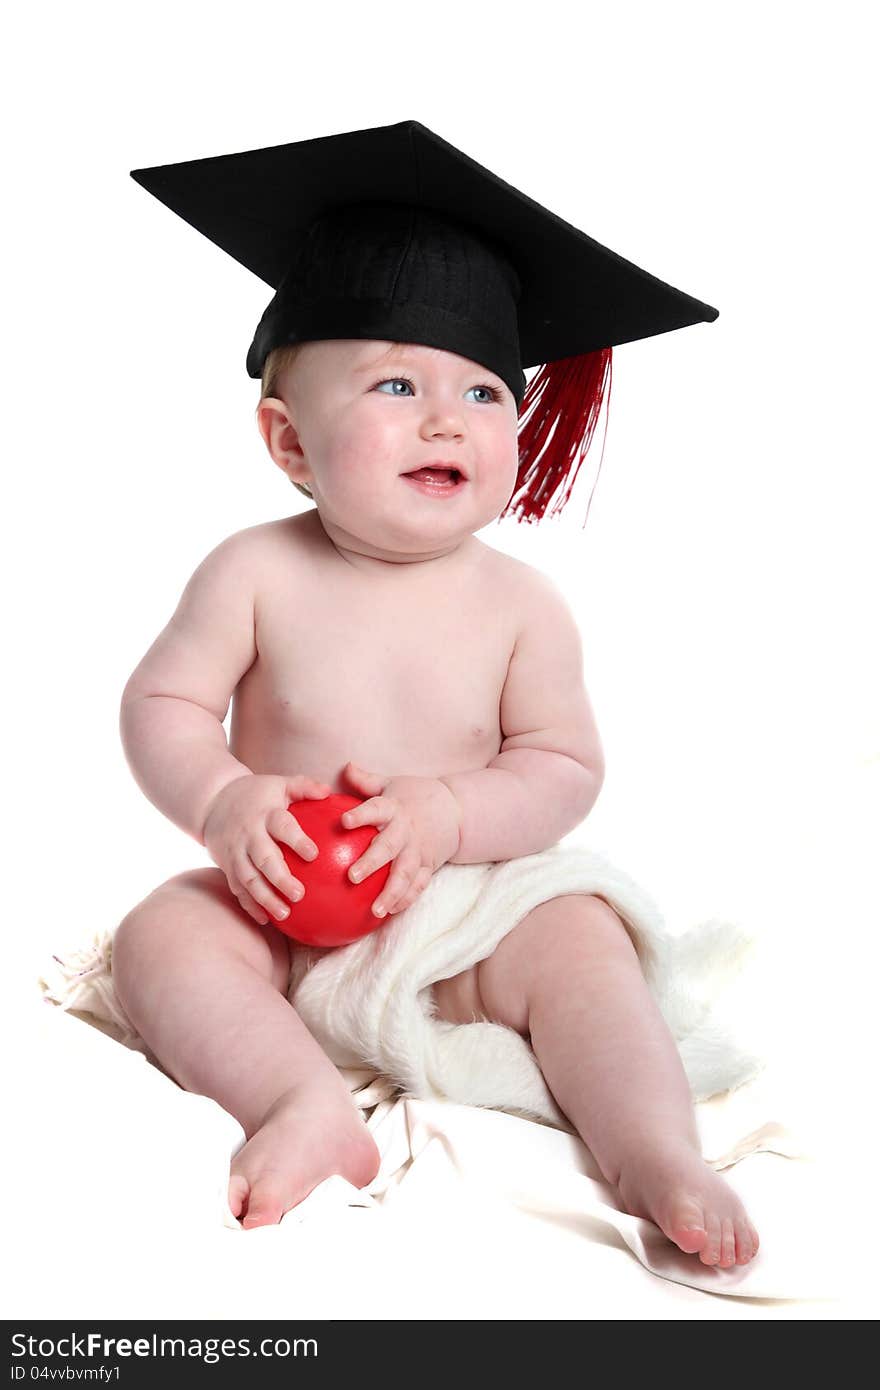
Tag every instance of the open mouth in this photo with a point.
(436, 481)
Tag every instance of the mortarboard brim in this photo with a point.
(568, 301)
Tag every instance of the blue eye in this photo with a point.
(492, 392)
(392, 381)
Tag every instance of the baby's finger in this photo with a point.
(403, 872)
(300, 788)
(377, 811)
(284, 826)
(381, 850)
(250, 906)
(371, 782)
(416, 888)
(261, 890)
(273, 866)
(358, 815)
(257, 888)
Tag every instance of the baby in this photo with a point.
(376, 648)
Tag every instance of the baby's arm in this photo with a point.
(175, 701)
(548, 774)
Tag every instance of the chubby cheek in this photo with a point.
(358, 462)
(502, 465)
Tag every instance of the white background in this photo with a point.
(726, 581)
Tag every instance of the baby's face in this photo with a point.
(363, 413)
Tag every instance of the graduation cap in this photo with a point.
(391, 233)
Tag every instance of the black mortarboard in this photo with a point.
(394, 234)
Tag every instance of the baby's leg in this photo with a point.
(205, 987)
(568, 977)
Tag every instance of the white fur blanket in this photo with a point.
(370, 1002)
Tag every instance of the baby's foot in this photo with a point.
(690, 1202)
(304, 1138)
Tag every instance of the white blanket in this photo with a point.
(370, 1003)
(133, 1171)
(119, 1207)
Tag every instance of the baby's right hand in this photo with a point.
(244, 822)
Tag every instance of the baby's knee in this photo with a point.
(146, 928)
(137, 939)
(583, 923)
(194, 917)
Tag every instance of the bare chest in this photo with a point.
(402, 678)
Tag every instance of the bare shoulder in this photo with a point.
(532, 592)
(242, 571)
(501, 567)
(270, 546)
(268, 536)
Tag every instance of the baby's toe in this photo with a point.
(264, 1207)
(238, 1191)
(746, 1242)
(743, 1246)
(262, 1211)
(727, 1256)
(711, 1252)
(687, 1225)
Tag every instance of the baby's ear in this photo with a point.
(280, 436)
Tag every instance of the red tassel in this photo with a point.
(564, 399)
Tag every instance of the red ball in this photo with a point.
(334, 911)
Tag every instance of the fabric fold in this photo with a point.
(370, 1003)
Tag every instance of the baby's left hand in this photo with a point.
(419, 820)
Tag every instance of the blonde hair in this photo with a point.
(274, 367)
